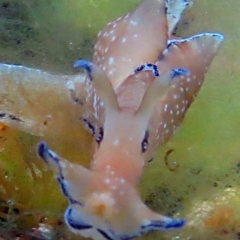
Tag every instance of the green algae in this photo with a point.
(52, 34)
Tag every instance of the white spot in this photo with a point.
(165, 108)
(126, 16)
(122, 180)
(165, 125)
(135, 35)
(126, 59)
(175, 96)
(107, 181)
(116, 142)
(111, 72)
(124, 40)
(113, 38)
(53, 154)
(111, 61)
(70, 85)
(99, 33)
(106, 34)
(134, 23)
(105, 197)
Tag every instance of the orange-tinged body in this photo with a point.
(133, 97)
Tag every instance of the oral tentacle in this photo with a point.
(101, 84)
(74, 179)
(50, 157)
(159, 86)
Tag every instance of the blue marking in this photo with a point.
(63, 187)
(170, 43)
(41, 150)
(99, 138)
(176, 224)
(150, 160)
(104, 234)
(148, 67)
(145, 143)
(184, 40)
(125, 237)
(139, 69)
(87, 65)
(179, 71)
(155, 225)
(83, 64)
(97, 135)
(78, 225)
(89, 125)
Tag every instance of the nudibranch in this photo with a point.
(132, 97)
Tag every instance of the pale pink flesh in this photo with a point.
(117, 48)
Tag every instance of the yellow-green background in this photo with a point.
(51, 35)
